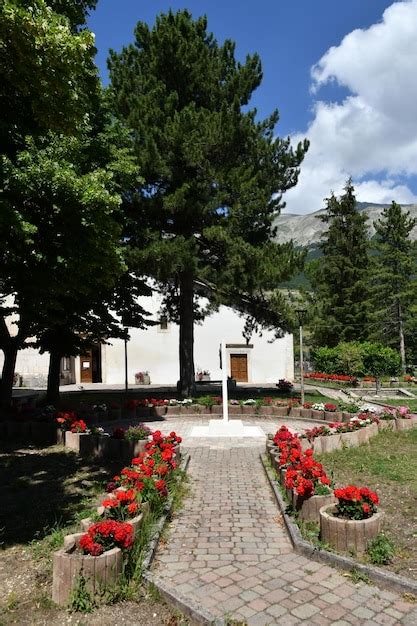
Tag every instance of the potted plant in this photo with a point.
(142, 378)
(96, 555)
(317, 411)
(403, 419)
(331, 414)
(354, 520)
(306, 410)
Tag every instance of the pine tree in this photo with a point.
(394, 277)
(203, 222)
(340, 277)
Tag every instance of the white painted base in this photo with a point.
(233, 428)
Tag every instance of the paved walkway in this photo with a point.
(229, 553)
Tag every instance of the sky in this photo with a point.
(342, 74)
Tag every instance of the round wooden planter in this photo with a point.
(249, 409)
(217, 409)
(331, 442)
(306, 413)
(280, 411)
(350, 440)
(348, 535)
(387, 425)
(99, 571)
(123, 450)
(84, 444)
(235, 409)
(306, 444)
(317, 415)
(136, 521)
(309, 508)
(401, 424)
(333, 416)
(346, 417)
(265, 410)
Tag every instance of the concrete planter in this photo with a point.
(401, 424)
(347, 535)
(309, 508)
(364, 434)
(386, 425)
(265, 410)
(249, 409)
(295, 411)
(235, 409)
(173, 410)
(217, 409)
(280, 411)
(350, 440)
(346, 417)
(333, 416)
(305, 413)
(99, 571)
(84, 444)
(306, 444)
(115, 414)
(317, 415)
(158, 411)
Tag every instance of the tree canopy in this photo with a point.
(202, 223)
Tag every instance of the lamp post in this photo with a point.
(126, 336)
(300, 314)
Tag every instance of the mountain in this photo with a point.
(306, 230)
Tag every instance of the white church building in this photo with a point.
(155, 351)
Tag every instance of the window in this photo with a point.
(66, 364)
(163, 323)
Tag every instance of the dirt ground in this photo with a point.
(43, 491)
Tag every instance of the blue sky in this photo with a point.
(292, 37)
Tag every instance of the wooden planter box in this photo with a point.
(294, 411)
(280, 411)
(306, 413)
(99, 571)
(265, 410)
(136, 521)
(309, 508)
(347, 535)
(401, 424)
(82, 443)
(115, 414)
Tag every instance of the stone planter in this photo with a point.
(174, 410)
(249, 409)
(309, 508)
(280, 411)
(347, 535)
(282, 473)
(265, 410)
(317, 415)
(333, 416)
(331, 443)
(306, 413)
(363, 435)
(317, 444)
(84, 444)
(294, 411)
(346, 417)
(401, 424)
(235, 409)
(115, 414)
(306, 444)
(99, 571)
(217, 409)
(60, 437)
(158, 411)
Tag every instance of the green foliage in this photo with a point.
(340, 277)
(394, 284)
(381, 550)
(81, 600)
(325, 360)
(379, 360)
(202, 224)
(357, 359)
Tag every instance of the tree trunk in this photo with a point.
(9, 365)
(401, 338)
(186, 347)
(52, 392)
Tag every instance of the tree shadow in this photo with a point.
(43, 488)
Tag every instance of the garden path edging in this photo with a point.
(300, 545)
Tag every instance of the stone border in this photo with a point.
(300, 545)
(184, 604)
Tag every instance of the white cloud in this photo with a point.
(372, 134)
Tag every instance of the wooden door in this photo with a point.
(86, 365)
(239, 367)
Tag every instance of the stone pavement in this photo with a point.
(228, 552)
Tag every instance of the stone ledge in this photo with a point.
(385, 579)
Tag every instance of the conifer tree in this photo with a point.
(203, 222)
(340, 277)
(394, 277)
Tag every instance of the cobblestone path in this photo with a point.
(228, 553)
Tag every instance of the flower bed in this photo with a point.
(98, 554)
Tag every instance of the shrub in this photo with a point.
(135, 433)
(381, 550)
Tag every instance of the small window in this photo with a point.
(66, 364)
(163, 322)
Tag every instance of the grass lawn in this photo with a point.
(387, 465)
(402, 402)
(43, 494)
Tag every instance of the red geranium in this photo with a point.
(356, 502)
(106, 535)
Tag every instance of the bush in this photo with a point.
(325, 360)
(380, 550)
(358, 359)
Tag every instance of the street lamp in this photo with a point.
(301, 315)
(126, 338)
